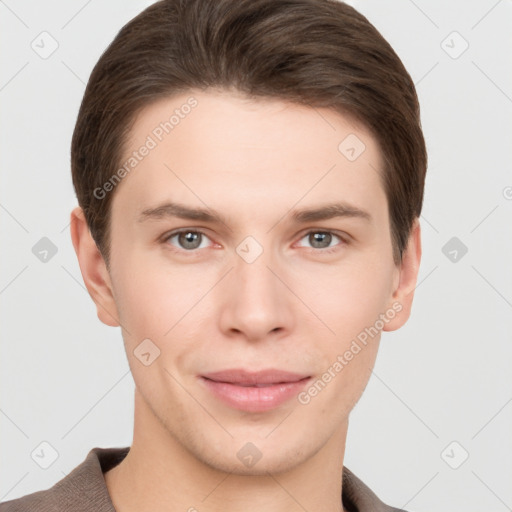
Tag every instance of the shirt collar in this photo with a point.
(89, 483)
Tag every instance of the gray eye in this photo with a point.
(189, 239)
(320, 239)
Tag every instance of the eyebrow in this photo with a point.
(323, 212)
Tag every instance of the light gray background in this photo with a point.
(444, 377)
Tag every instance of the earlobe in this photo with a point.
(93, 269)
(408, 274)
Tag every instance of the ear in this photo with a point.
(93, 268)
(407, 277)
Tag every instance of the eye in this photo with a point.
(187, 239)
(321, 240)
(190, 240)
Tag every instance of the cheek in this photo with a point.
(346, 299)
(159, 307)
(168, 306)
(356, 303)
(150, 301)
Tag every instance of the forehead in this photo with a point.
(226, 118)
(223, 144)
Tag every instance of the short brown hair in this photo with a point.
(319, 53)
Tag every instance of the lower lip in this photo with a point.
(253, 399)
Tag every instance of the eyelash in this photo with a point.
(344, 240)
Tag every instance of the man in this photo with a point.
(250, 176)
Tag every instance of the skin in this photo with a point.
(296, 307)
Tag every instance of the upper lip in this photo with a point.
(247, 378)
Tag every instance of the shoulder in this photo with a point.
(356, 495)
(40, 501)
(81, 490)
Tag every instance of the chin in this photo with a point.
(278, 463)
(241, 456)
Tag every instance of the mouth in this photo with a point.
(254, 391)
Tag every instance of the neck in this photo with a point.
(160, 474)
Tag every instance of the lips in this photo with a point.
(254, 391)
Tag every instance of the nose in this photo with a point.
(256, 303)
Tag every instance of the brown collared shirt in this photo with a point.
(84, 489)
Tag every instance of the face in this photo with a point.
(282, 282)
